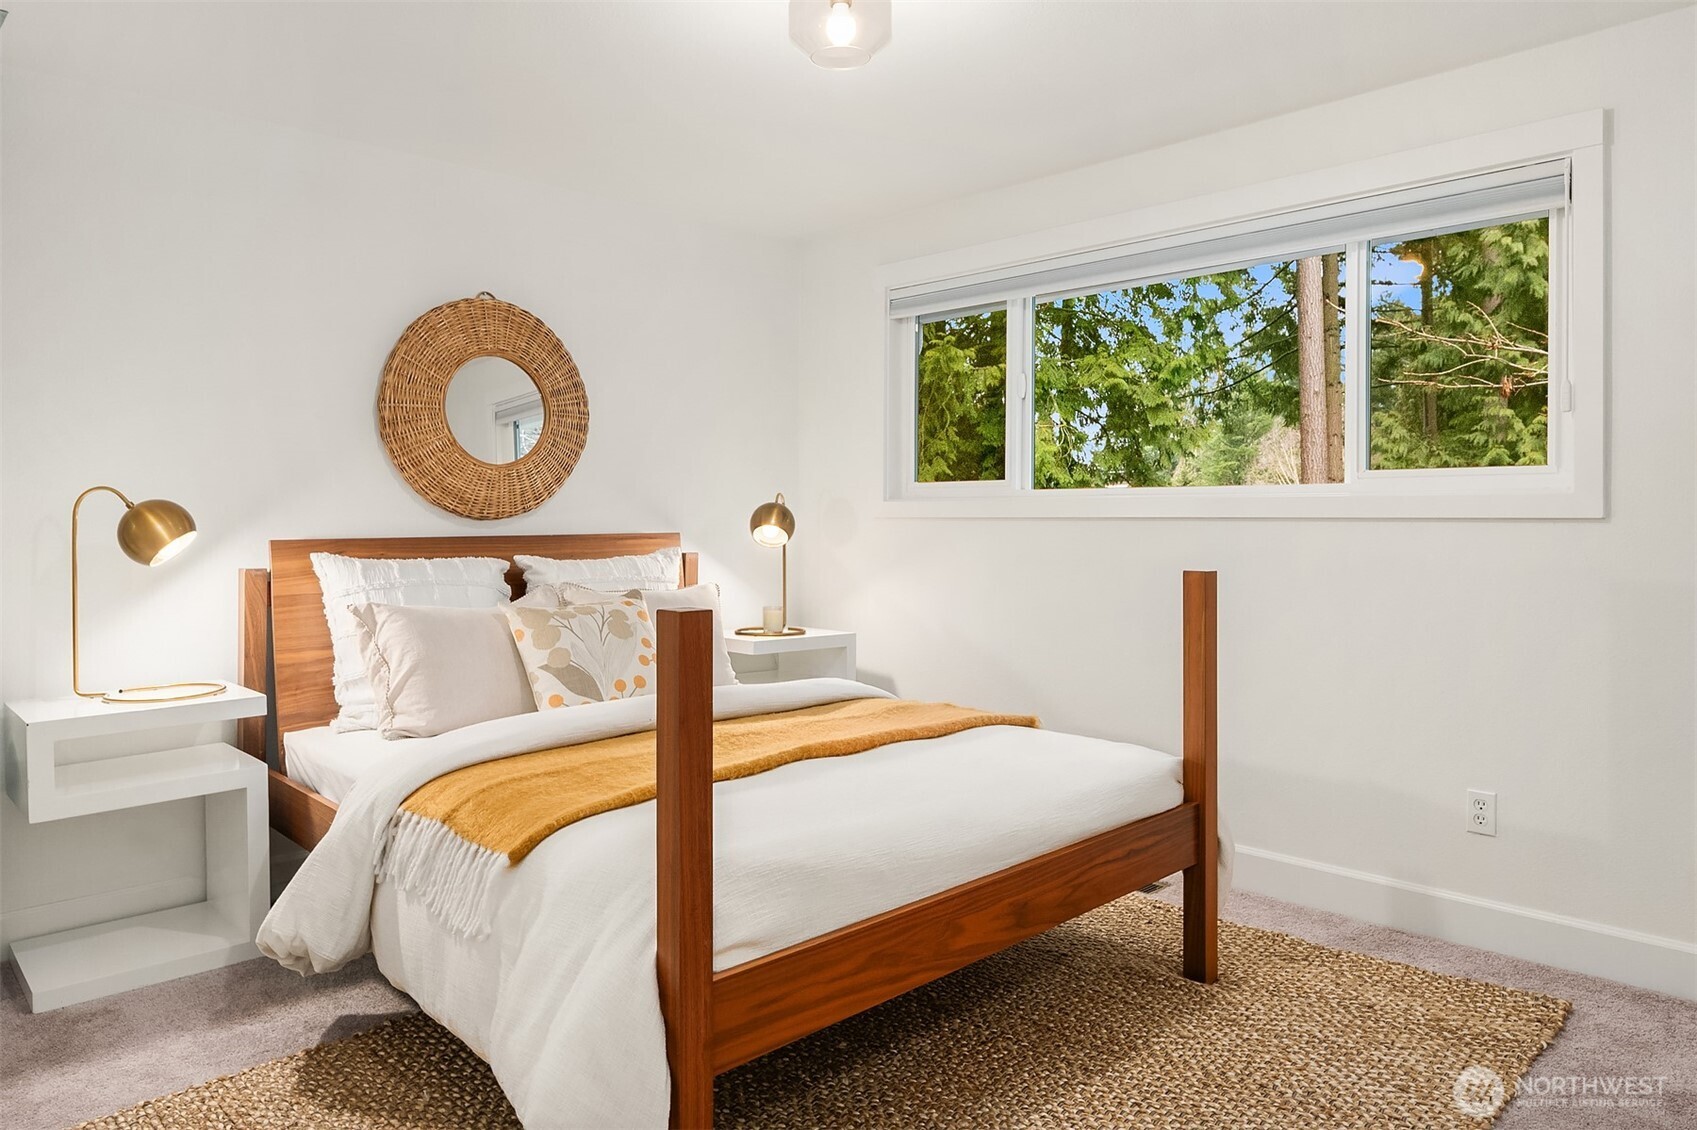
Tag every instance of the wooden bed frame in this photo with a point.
(718, 1020)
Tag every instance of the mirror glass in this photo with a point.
(494, 409)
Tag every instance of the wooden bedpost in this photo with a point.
(684, 798)
(1201, 739)
(256, 644)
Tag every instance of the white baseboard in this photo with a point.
(1665, 965)
(52, 917)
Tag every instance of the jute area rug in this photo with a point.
(1088, 1025)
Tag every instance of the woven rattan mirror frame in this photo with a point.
(412, 414)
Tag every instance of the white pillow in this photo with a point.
(695, 596)
(441, 582)
(436, 669)
(649, 571)
(700, 596)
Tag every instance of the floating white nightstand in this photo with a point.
(64, 759)
(771, 659)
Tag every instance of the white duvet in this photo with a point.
(560, 995)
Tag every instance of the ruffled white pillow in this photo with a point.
(439, 582)
(662, 569)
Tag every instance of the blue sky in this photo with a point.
(1394, 279)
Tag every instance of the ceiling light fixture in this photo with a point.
(840, 34)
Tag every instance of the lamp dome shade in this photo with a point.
(772, 524)
(155, 530)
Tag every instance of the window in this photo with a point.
(1460, 372)
(518, 425)
(1226, 369)
(526, 431)
(1233, 378)
(962, 386)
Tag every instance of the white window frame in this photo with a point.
(505, 416)
(1571, 485)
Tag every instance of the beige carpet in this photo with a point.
(1087, 1025)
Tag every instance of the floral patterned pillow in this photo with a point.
(579, 645)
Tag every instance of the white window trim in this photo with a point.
(504, 414)
(1571, 486)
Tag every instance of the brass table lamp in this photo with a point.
(772, 525)
(151, 532)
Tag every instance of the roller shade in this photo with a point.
(1498, 196)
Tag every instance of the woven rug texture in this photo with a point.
(1088, 1025)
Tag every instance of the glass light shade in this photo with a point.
(840, 35)
(155, 530)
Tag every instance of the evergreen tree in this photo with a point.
(1461, 379)
(1200, 381)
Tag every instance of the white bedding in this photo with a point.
(560, 996)
(329, 763)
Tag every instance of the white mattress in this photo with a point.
(329, 763)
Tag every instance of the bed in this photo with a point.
(612, 981)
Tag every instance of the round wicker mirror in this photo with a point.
(412, 412)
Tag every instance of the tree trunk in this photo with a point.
(1311, 368)
(1429, 395)
(1334, 370)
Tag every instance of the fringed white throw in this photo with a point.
(450, 838)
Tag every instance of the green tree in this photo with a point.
(962, 398)
(1234, 377)
(1132, 384)
(1460, 376)
(1234, 449)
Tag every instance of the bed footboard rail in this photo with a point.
(716, 1021)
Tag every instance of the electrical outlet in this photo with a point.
(1481, 812)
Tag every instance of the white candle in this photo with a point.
(772, 619)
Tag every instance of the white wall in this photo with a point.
(1371, 671)
(198, 307)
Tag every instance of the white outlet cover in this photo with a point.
(1481, 812)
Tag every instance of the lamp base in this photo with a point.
(165, 692)
(771, 635)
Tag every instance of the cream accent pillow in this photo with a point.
(436, 669)
(700, 596)
(661, 569)
(440, 582)
(580, 646)
(692, 596)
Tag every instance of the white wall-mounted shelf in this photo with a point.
(76, 757)
(770, 659)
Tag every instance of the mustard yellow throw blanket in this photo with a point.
(451, 836)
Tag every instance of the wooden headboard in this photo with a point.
(300, 689)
